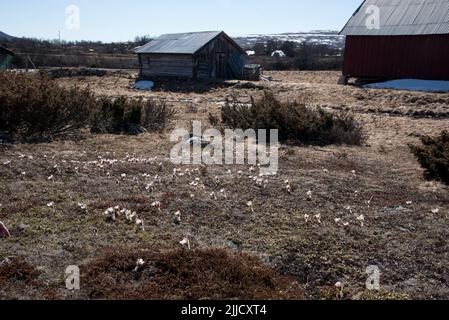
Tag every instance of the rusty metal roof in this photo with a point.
(180, 43)
(400, 17)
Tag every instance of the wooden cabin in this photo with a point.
(198, 55)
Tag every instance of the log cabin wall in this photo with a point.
(166, 65)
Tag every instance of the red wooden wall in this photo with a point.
(394, 57)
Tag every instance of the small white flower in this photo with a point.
(178, 217)
(6, 163)
(50, 204)
(337, 220)
(223, 192)
(24, 173)
(436, 210)
(157, 204)
(139, 263)
(51, 177)
(309, 194)
(307, 217)
(123, 175)
(361, 219)
(338, 285)
(250, 205)
(409, 203)
(185, 242)
(354, 173)
(318, 217)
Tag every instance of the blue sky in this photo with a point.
(121, 20)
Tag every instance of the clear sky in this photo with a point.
(122, 20)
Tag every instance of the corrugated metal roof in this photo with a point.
(180, 43)
(401, 17)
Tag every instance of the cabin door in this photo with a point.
(220, 65)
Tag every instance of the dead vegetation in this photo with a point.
(297, 121)
(35, 108)
(433, 156)
(129, 273)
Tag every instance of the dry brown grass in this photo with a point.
(184, 274)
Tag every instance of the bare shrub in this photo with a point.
(132, 116)
(35, 106)
(156, 115)
(433, 156)
(296, 121)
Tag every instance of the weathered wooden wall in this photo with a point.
(166, 65)
(209, 65)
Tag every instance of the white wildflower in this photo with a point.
(309, 194)
(185, 242)
(436, 210)
(361, 219)
(250, 205)
(177, 217)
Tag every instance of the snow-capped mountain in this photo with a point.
(331, 38)
(5, 36)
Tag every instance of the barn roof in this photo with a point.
(401, 17)
(181, 43)
(6, 51)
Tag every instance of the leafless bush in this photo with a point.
(35, 106)
(156, 115)
(296, 121)
(433, 156)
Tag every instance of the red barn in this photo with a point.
(397, 39)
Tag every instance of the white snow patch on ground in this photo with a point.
(412, 85)
(144, 85)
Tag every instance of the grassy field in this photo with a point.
(349, 207)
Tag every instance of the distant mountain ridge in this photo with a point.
(331, 38)
(4, 36)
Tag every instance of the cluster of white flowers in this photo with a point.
(288, 186)
(157, 204)
(82, 206)
(309, 195)
(140, 262)
(130, 216)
